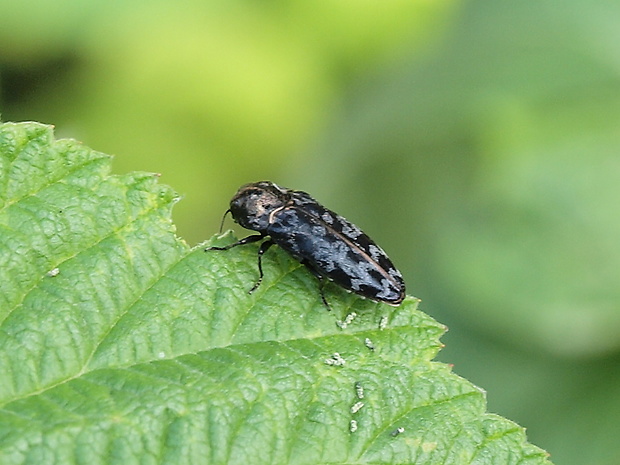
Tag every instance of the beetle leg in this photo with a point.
(245, 240)
(321, 279)
(322, 292)
(264, 247)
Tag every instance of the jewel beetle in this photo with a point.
(326, 243)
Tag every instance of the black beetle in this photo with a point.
(325, 242)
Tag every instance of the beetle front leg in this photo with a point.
(245, 240)
(264, 247)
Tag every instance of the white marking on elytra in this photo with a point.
(394, 273)
(350, 230)
(386, 289)
(375, 252)
(397, 431)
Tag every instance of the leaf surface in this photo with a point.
(120, 344)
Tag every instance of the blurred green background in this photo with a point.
(478, 142)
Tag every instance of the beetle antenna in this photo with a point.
(223, 218)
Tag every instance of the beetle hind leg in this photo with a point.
(322, 292)
(321, 279)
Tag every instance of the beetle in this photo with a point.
(326, 243)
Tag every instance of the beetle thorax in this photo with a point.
(253, 205)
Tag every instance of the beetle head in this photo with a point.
(253, 204)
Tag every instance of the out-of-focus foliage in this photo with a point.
(478, 142)
(211, 94)
(510, 229)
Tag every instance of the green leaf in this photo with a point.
(120, 344)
